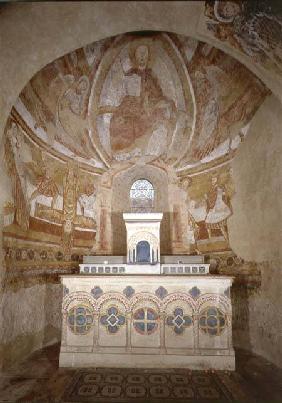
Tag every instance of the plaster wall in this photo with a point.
(30, 319)
(121, 203)
(5, 194)
(27, 30)
(257, 204)
(29, 315)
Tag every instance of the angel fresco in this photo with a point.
(253, 27)
(71, 116)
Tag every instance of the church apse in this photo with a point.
(170, 108)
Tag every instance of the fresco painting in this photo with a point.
(251, 27)
(155, 100)
(145, 109)
(209, 205)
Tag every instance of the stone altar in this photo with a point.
(146, 310)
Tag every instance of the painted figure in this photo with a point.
(43, 177)
(71, 112)
(253, 27)
(217, 209)
(87, 201)
(144, 110)
(196, 214)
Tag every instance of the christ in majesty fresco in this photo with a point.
(144, 115)
(144, 112)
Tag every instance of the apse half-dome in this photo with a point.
(133, 97)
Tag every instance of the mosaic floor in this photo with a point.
(39, 380)
(123, 386)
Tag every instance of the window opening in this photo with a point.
(142, 196)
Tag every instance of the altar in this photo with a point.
(145, 310)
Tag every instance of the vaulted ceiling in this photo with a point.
(140, 97)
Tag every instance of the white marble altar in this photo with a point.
(146, 310)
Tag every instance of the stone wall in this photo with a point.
(121, 203)
(257, 205)
(31, 319)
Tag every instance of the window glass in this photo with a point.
(142, 196)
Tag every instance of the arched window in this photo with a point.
(142, 196)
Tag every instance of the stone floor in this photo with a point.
(38, 379)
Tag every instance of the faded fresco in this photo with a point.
(147, 109)
(209, 206)
(158, 101)
(52, 217)
(252, 27)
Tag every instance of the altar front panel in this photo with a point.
(147, 321)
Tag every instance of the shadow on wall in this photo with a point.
(240, 296)
(31, 320)
(119, 234)
(246, 295)
(53, 317)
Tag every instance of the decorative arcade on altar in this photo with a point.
(146, 310)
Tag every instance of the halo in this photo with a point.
(136, 44)
(217, 11)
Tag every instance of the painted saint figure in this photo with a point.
(87, 201)
(71, 114)
(197, 214)
(218, 209)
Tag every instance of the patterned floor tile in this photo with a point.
(39, 380)
(104, 386)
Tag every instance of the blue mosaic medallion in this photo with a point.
(145, 321)
(128, 291)
(178, 321)
(212, 321)
(80, 319)
(97, 292)
(161, 292)
(113, 320)
(194, 292)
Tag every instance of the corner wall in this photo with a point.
(30, 319)
(255, 227)
(29, 310)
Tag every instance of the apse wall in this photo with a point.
(122, 204)
(257, 170)
(31, 304)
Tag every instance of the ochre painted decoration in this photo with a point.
(251, 27)
(162, 109)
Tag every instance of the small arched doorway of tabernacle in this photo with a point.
(143, 252)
